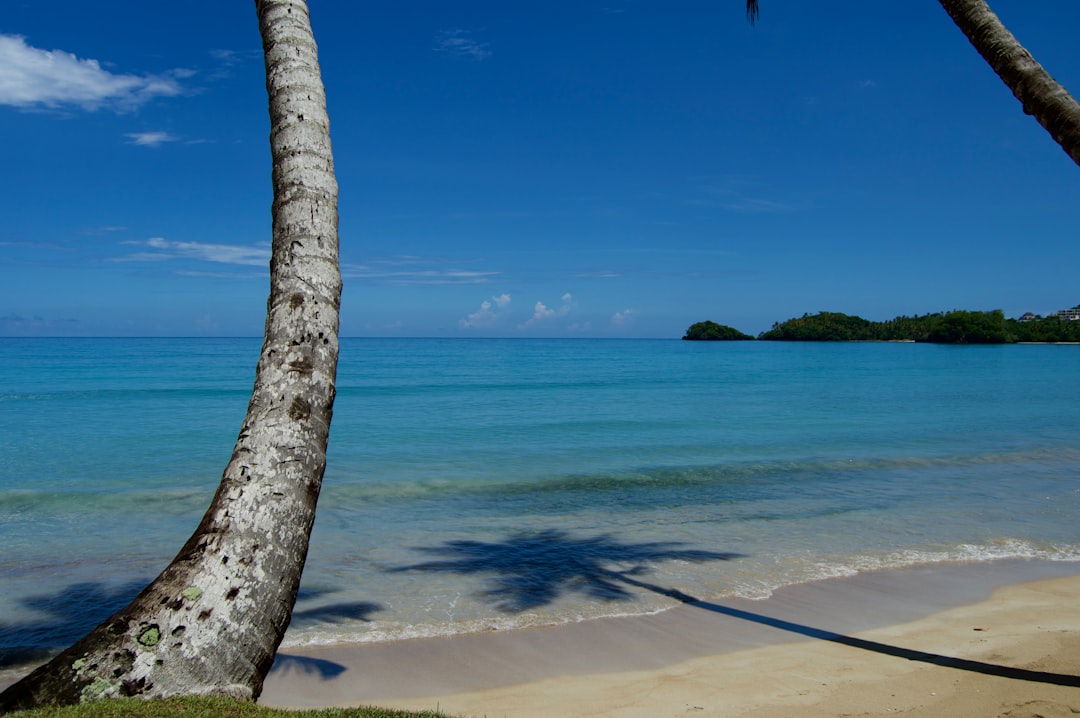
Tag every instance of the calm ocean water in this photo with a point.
(478, 484)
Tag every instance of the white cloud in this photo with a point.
(31, 77)
(164, 250)
(151, 139)
(621, 319)
(543, 313)
(488, 314)
(459, 43)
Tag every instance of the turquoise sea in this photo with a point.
(488, 484)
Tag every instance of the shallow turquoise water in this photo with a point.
(495, 483)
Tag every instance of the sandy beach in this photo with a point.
(985, 639)
(973, 640)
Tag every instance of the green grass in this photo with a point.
(203, 707)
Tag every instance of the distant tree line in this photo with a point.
(955, 327)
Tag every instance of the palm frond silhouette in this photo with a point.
(529, 570)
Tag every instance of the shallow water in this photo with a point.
(496, 483)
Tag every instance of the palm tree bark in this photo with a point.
(1042, 96)
(212, 621)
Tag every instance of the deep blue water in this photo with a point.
(495, 483)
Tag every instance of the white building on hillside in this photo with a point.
(1071, 315)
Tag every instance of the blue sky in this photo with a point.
(607, 168)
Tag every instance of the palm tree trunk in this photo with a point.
(1045, 99)
(212, 621)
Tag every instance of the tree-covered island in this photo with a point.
(954, 327)
(711, 331)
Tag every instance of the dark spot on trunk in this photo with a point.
(224, 560)
(296, 301)
(302, 366)
(233, 592)
(300, 409)
(124, 661)
(179, 630)
(135, 687)
(118, 628)
(205, 614)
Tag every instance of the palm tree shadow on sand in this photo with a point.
(530, 570)
(309, 665)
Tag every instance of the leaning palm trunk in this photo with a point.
(1045, 99)
(212, 621)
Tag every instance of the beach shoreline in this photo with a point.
(972, 639)
(874, 643)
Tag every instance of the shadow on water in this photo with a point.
(358, 611)
(69, 614)
(532, 570)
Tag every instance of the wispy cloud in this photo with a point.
(108, 229)
(222, 275)
(756, 205)
(162, 250)
(599, 274)
(621, 319)
(460, 43)
(35, 78)
(740, 194)
(226, 60)
(229, 58)
(36, 324)
(151, 139)
(489, 314)
(416, 271)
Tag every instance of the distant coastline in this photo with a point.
(954, 327)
